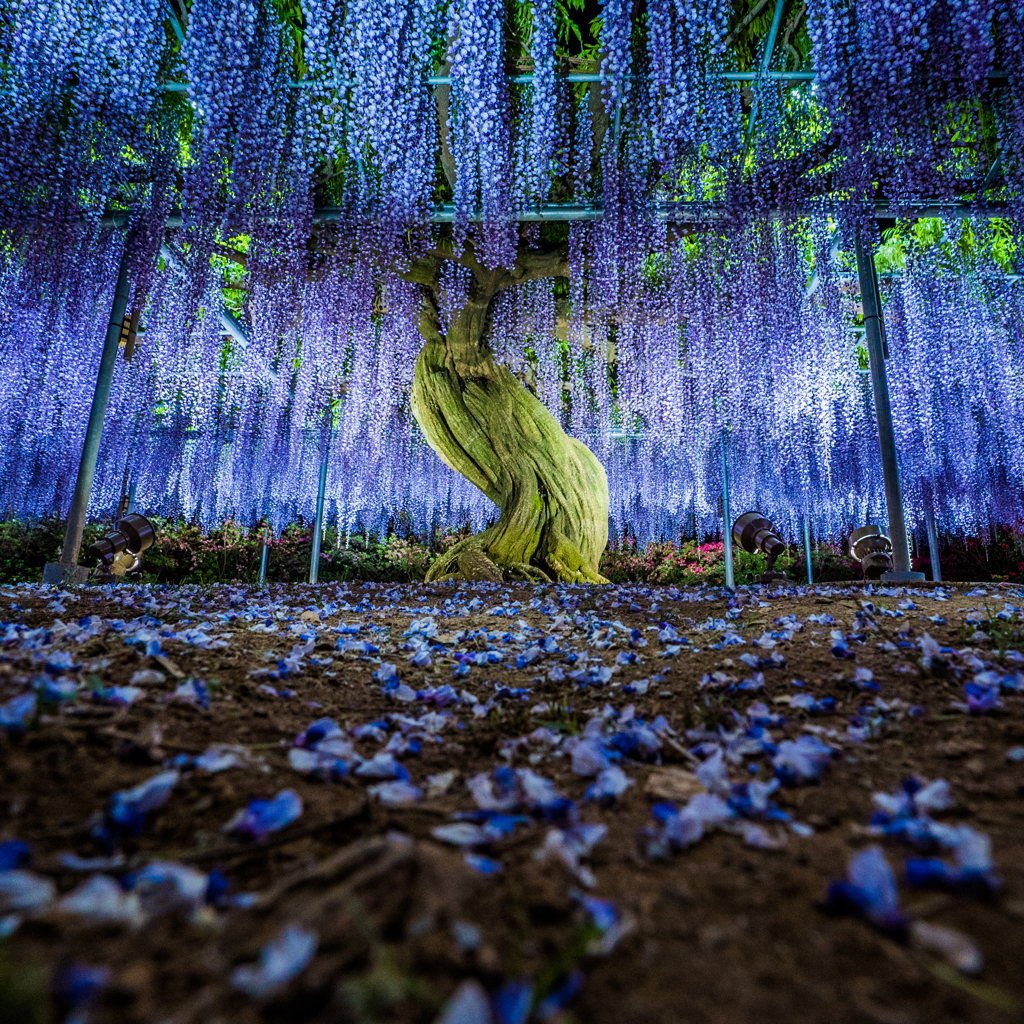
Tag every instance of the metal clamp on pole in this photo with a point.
(883, 413)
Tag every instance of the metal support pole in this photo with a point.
(263, 557)
(314, 564)
(933, 543)
(883, 413)
(807, 548)
(131, 496)
(730, 580)
(67, 569)
(122, 499)
(766, 63)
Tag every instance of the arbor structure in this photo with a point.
(562, 245)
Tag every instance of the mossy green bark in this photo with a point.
(551, 489)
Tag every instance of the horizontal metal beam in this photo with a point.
(685, 211)
(897, 275)
(676, 211)
(995, 77)
(545, 212)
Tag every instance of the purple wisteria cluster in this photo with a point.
(891, 73)
(666, 346)
(480, 118)
(385, 55)
(237, 68)
(267, 108)
(712, 351)
(693, 104)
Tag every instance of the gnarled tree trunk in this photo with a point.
(551, 489)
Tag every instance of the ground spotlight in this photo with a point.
(755, 533)
(871, 546)
(118, 552)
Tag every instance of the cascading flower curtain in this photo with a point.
(664, 339)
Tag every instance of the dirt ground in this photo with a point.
(719, 930)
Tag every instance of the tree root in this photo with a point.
(565, 558)
(580, 575)
(448, 566)
(471, 560)
(530, 572)
(474, 564)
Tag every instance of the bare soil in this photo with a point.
(718, 932)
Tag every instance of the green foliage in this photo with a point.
(185, 553)
(691, 564)
(554, 233)
(828, 565)
(26, 547)
(964, 247)
(407, 556)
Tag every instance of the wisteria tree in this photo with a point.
(327, 152)
(482, 421)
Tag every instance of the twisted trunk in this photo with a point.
(482, 422)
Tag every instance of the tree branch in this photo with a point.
(442, 97)
(600, 121)
(423, 269)
(231, 254)
(530, 264)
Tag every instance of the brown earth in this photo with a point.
(721, 932)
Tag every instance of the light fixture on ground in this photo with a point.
(755, 533)
(871, 546)
(118, 552)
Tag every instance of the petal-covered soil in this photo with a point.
(607, 804)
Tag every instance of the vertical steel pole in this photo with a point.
(68, 570)
(314, 564)
(807, 548)
(730, 580)
(122, 499)
(883, 414)
(933, 543)
(766, 66)
(263, 557)
(131, 495)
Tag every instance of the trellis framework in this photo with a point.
(725, 186)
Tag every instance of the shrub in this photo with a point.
(407, 556)
(25, 547)
(691, 563)
(185, 553)
(973, 560)
(828, 565)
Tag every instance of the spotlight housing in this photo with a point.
(871, 546)
(118, 552)
(753, 532)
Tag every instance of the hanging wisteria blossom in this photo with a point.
(319, 209)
